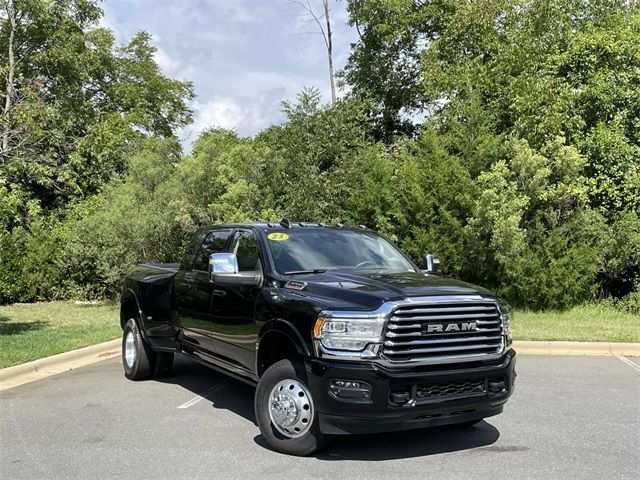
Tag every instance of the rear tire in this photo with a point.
(285, 412)
(162, 364)
(137, 358)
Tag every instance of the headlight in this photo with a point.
(505, 316)
(344, 333)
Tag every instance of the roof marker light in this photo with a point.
(286, 223)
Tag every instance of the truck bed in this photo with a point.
(172, 267)
(152, 273)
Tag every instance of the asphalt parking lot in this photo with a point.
(570, 417)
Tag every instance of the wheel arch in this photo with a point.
(278, 339)
(130, 308)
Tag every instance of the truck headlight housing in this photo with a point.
(351, 334)
(505, 317)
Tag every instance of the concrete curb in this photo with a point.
(577, 348)
(45, 367)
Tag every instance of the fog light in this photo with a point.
(350, 389)
(399, 398)
(496, 385)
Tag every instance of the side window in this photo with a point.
(245, 246)
(214, 242)
(190, 251)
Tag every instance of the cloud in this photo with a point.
(246, 116)
(244, 57)
(171, 66)
(227, 112)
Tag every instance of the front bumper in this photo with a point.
(446, 402)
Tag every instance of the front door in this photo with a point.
(196, 292)
(233, 307)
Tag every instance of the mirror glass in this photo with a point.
(432, 264)
(223, 263)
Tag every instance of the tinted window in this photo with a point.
(190, 252)
(333, 249)
(214, 242)
(246, 248)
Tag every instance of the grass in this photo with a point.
(32, 331)
(585, 323)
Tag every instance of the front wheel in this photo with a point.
(285, 411)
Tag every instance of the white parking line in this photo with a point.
(630, 363)
(197, 398)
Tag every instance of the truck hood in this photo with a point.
(367, 291)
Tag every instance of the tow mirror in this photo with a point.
(223, 270)
(431, 265)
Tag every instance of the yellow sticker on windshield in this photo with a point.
(278, 236)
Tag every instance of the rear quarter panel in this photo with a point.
(151, 289)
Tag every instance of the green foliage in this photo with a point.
(620, 269)
(308, 150)
(131, 221)
(384, 65)
(366, 187)
(14, 286)
(523, 175)
(79, 106)
(435, 195)
(223, 181)
(631, 302)
(536, 241)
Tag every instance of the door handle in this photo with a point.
(219, 293)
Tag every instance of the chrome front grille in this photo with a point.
(444, 332)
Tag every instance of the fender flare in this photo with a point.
(284, 327)
(129, 295)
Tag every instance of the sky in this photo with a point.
(244, 57)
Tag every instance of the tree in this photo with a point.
(326, 36)
(384, 65)
(11, 67)
(76, 105)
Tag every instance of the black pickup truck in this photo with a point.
(339, 330)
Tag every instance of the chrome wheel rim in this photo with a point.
(129, 349)
(291, 408)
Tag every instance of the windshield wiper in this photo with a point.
(300, 272)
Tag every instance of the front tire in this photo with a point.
(285, 412)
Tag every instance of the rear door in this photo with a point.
(195, 291)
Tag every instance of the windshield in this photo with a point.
(303, 250)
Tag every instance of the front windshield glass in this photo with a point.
(301, 250)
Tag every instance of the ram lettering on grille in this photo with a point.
(465, 330)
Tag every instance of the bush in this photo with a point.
(31, 267)
(14, 286)
(631, 302)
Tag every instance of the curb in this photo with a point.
(577, 348)
(45, 367)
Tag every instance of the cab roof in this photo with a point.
(287, 224)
